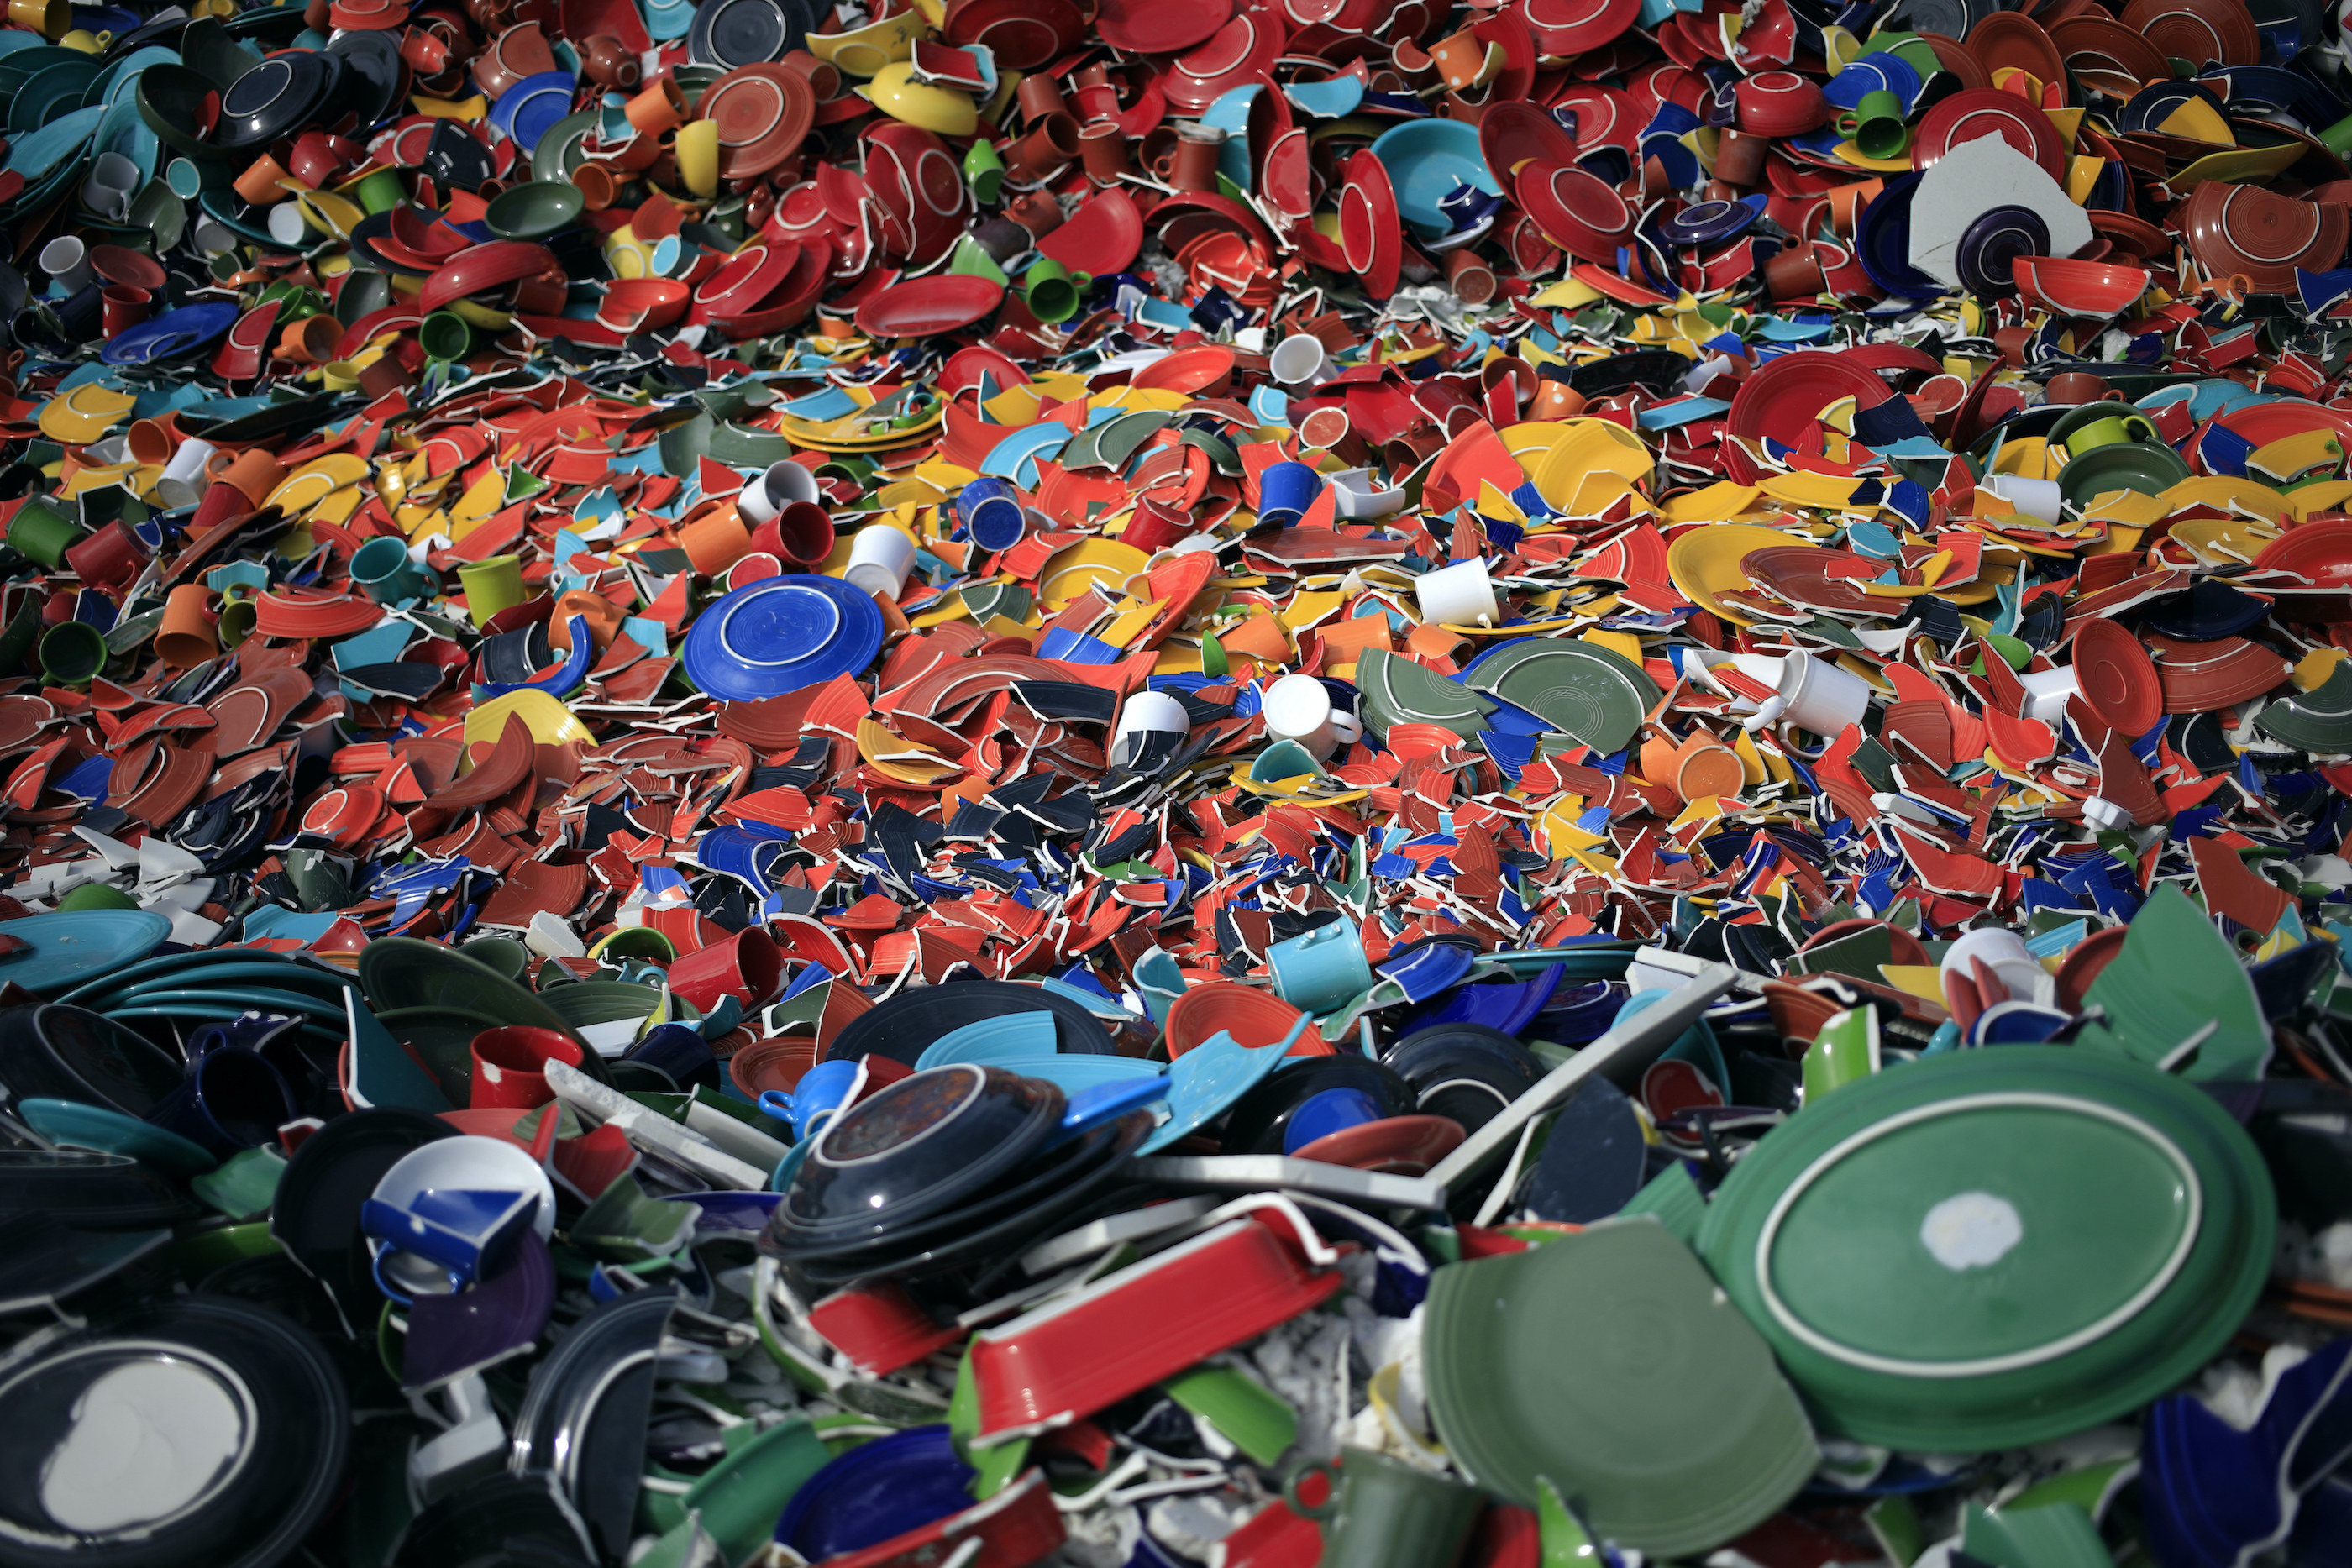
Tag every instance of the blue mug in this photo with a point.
(991, 514)
(1322, 969)
(230, 1099)
(823, 1091)
(1284, 491)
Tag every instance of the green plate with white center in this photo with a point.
(1995, 1248)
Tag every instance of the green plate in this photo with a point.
(214, 964)
(1608, 1362)
(1995, 1248)
(401, 972)
(559, 150)
(592, 1002)
(2317, 720)
(1580, 689)
(2175, 976)
(2055, 1535)
(1398, 691)
(2141, 466)
(79, 1126)
(69, 947)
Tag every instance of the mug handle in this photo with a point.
(1329, 1506)
(777, 1103)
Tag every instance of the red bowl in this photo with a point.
(2080, 287)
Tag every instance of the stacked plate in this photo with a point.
(943, 1172)
(1992, 1248)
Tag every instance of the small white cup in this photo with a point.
(2046, 692)
(67, 259)
(1458, 595)
(1818, 697)
(2039, 498)
(1147, 711)
(286, 225)
(1300, 361)
(766, 496)
(1299, 707)
(1357, 498)
(2004, 953)
(879, 558)
(185, 481)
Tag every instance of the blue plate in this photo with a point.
(877, 1490)
(782, 634)
(80, 1126)
(170, 335)
(1205, 1082)
(1426, 158)
(73, 945)
(533, 106)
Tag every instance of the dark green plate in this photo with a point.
(2141, 466)
(1995, 1248)
(1609, 1362)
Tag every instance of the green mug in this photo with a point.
(1875, 125)
(2109, 431)
(491, 586)
(1052, 292)
(381, 192)
(97, 895)
(971, 260)
(42, 532)
(1384, 1514)
(446, 336)
(983, 171)
(72, 654)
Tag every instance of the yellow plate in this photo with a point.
(2226, 492)
(1069, 573)
(549, 721)
(867, 50)
(894, 91)
(84, 414)
(1705, 562)
(315, 481)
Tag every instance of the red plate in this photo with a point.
(919, 185)
(1022, 34)
(1369, 230)
(247, 347)
(484, 267)
(1572, 26)
(1396, 1146)
(763, 112)
(1102, 237)
(926, 307)
(1511, 133)
(2321, 553)
(1988, 111)
(2201, 677)
(1604, 116)
(2117, 679)
(1237, 54)
(1781, 399)
(1287, 182)
(2007, 39)
(1581, 211)
(746, 278)
(1157, 27)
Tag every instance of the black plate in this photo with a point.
(1028, 1185)
(1258, 1120)
(990, 1251)
(316, 1215)
(922, 1145)
(92, 1191)
(732, 32)
(275, 98)
(57, 1053)
(499, 1519)
(583, 1416)
(904, 1026)
(374, 72)
(1464, 1071)
(250, 1382)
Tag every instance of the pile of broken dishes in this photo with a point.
(1208, 786)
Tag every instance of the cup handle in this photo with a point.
(777, 1103)
(1317, 1511)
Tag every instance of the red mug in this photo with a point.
(511, 1066)
(748, 966)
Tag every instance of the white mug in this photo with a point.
(1816, 694)
(1299, 707)
(879, 558)
(783, 484)
(1299, 362)
(1458, 595)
